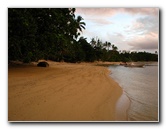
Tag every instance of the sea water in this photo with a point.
(140, 85)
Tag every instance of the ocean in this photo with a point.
(141, 86)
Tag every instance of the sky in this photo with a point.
(131, 29)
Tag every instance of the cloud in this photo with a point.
(138, 30)
(145, 11)
(119, 35)
(104, 12)
(148, 25)
(93, 12)
(149, 41)
(98, 21)
(117, 39)
(143, 33)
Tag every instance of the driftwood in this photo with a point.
(43, 64)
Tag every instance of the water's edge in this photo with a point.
(122, 105)
(139, 99)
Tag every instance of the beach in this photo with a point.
(62, 92)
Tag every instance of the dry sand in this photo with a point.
(62, 92)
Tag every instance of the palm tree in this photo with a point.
(76, 26)
(99, 44)
(109, 45)
(105, 44)
(80, 24)
(114, 48)
(93, 42)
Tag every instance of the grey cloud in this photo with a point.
(143, 33)
(144, 45)
(150, 23)
(143, 26)
(146, 11)
(111, 11)
(146, 42)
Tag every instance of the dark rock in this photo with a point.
(43, 64)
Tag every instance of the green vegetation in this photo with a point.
(55, 34)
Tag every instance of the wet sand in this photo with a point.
(62, 92)
(122, 107)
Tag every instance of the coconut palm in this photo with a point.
(79, 25)
(93, 42)
(114, 48)
(109, 45)
(105, 44)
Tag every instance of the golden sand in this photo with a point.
(62, 92)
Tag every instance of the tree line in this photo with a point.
(55, 34)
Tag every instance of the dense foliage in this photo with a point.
(54, 34)
(42, 33)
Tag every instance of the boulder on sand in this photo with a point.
(43, 64)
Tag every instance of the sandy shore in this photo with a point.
(62, 92)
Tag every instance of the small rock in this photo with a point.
(43, 64)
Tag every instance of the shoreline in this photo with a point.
(62, 92)
(122, 105)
